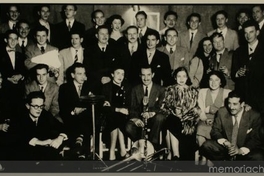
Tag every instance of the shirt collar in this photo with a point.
(43, 85)
(144, 29)
(253, 46)
(11, 23)
(168, 47)
(239, 116)
(34, 119)
(72, 21)
(221, 52)
(76, 84)
(20, 41)
(149, 87)
(39, 46)
(102, 46)
(135, 45)
(192, 31)
(224, 31)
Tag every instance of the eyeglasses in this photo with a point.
(37, 106)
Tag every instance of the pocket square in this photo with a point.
(182, 59)
(249, 130)
(158, 66)
(157, 99)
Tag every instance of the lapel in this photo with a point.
(228, 125)
(74, 91)
(187, 39)
(140, 93)
(8, 60)
(152, 95)
(242, 130)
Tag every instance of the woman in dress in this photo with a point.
(115, 109)
(199, 66)
(210, 100)
(181, 107)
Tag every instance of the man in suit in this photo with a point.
(235, 133)
(143, 29)
(230, 36)
(43, 13)
(222, 59)
(158, 61)
(178, 55)
(42, 136)
(169, 20)
(50, 90)
(102, 57)
(247, 67)
(76, 116)
(13, 71)
(24, 39)
(155, 95)
(258, 16)
(64, 28)
(41, 47)
(73, 54)
(98, 19)
(13, 13)
(190, 39)
(242, 16)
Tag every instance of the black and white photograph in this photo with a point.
(131, 88)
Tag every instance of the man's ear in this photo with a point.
(81, 40)
(27, 105)
(5, 40)
(226, 20)
(96, 35)
(72, 75)
(153, 75)
(157, 42)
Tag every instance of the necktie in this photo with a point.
(14, 26)
(69, 26)
(191, 41)
(76, 57)
(79, 90)
(140, 35)
(171, 51)
(218, 58)
(234, 132)
(146, 91)
(132, 50)
(42, 49)
(42, 88)
(103, 49)
(23, 46)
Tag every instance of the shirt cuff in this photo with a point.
(65, 137)
(221, 141)
(245, 150)
(33, 141)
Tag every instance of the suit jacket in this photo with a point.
(66, 61)
(247, 132)
(19, 49)
(160, 65)
(196, 71)
(179, 58)
(51, 93)
(261, 35)
(251, 86)
(32, 51)
(89, 37)
(184, 41)
(226, 60)
(156, 96)
(231, 39)
(63, 38)
(4, 27)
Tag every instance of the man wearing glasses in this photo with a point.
(42, 135)
(13, 14)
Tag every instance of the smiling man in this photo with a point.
(234, 133)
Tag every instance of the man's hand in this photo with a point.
(247, 107)
(77, 111)
(57, 142)
(4, 127)
(122, 111)
(105, 80)
(241, 72)
(17, 77)
(234, 150)
(138, 122)
(12, 80)
(224, 70)
(145, 115)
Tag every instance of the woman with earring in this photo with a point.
(210, 100)
(181, 107)
(116, 111)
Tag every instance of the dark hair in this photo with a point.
(115, 17)
(13, 5)
(76, 65)
(117, 66)
(235, 94)
(41, 66)
(141, 13)
(176, 71)
(41, 28)
(170, 12)
(76, 31)
(200, 50)
(171, 29)
(131, 27)
(145, 66)
(102, 27)
(8, 32)
(22, 21)
(217, 34)
(222, 12)
(250, 23)
(153, 32)
(220, 75)
(74, 6)
(194, 15)
(260, 6)
(43, 5)
(35, 94)
(94, 12)
(244, 10)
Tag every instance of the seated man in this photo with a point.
(76, 117)
(155, 94)
(50, 89)
(235, 133)
(41, 135)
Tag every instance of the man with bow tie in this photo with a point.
(235, 133)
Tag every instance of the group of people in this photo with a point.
(202, 91)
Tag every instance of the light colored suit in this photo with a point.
(231, 39)
(51, 93)
(196, 71)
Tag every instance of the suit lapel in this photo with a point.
(228, 125)
(242, 130)
(152, 95)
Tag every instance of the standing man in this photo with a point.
(247, 67)
(50, 90)
(69, 24)
(230, 36)
(190, 39)
(13, 13)
(158, 61)
(243, 15)
(258, 16)
(155, 95)
(235, 133)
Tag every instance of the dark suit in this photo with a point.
(261, 35)
(63, 38)
(156, 97)
(160, 65)
(251, 85)
(47, 127)
(89, 37)
(21, 49)
(248, 136)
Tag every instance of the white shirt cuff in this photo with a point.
(245, 150)
(33, 141)
(221, 141)
(65, 137)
